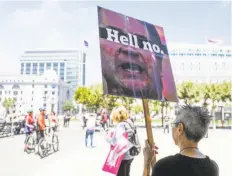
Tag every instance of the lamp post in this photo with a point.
(162, 111)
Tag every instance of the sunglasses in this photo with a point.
(175, 124)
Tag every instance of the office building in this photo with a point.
(33, 92)
(68, 64)
(201, 63)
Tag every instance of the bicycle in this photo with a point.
(30, 142)
(48, 142)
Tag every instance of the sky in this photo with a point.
(65, 25)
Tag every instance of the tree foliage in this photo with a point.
(8, 103)
(137, 109)
(110, 102)
(189, 92)
(127, 102)
(93, 98)
(68, 106)
(83, 95)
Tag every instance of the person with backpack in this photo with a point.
(120, 116)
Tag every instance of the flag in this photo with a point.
(215, 41)
(86, 43)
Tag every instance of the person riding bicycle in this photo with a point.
(29, 125)
(41, 122)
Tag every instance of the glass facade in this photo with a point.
(41, 68)
(67, 64)
(62, 65)
(34, 68)
(22, 68)
(28, 68)
(48, 66)
(55, 67)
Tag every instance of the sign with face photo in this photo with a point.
(134, 58)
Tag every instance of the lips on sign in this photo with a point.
(134, 57)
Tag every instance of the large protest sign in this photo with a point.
(134, 57)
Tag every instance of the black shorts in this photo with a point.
(41, 133)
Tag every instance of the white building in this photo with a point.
(68, 64)
(201, 63)
(33, 92)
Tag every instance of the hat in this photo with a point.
(42, 109)
(29, 111)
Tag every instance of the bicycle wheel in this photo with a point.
(55, 143)
(30, 144)
(42, 150)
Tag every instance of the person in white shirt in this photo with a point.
(90, 128)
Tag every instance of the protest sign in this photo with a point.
(134, 58)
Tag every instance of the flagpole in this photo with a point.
(83, 70)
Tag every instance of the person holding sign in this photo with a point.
(130, 146)
(189, 127)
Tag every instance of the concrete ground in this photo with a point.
(74, 159)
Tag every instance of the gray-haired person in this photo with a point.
(189, 127)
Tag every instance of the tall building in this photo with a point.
(201, 63)
(68, 64)
(33, 92)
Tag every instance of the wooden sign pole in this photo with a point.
(149, 131)
(148, 122)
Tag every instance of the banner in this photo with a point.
(134, 58)
(116, 154)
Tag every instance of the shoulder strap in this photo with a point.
(132, 127)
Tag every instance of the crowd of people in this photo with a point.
(188, 128)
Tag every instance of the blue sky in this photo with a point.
(64, 25)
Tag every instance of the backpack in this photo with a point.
(134, 139)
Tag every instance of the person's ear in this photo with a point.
(180, 129)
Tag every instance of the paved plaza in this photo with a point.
(75, 159)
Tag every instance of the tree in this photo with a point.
(137, 109)
(110, 102)
(155, 106)
(189, 92)
(91, 97)
(212, 92)
(127, 102)
(68, 106)
(8, 103)
(96, 97)
(82, 95)
(226, 92)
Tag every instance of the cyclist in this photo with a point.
(54, 121)
(41, 122)
(29, 125)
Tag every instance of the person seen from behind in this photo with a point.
(166, 124)
(54, 121)
(29, 126)
(90, 129)
(104, 120)
(84, 121)
(189, 127)
(123, 123)
(41, 122)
